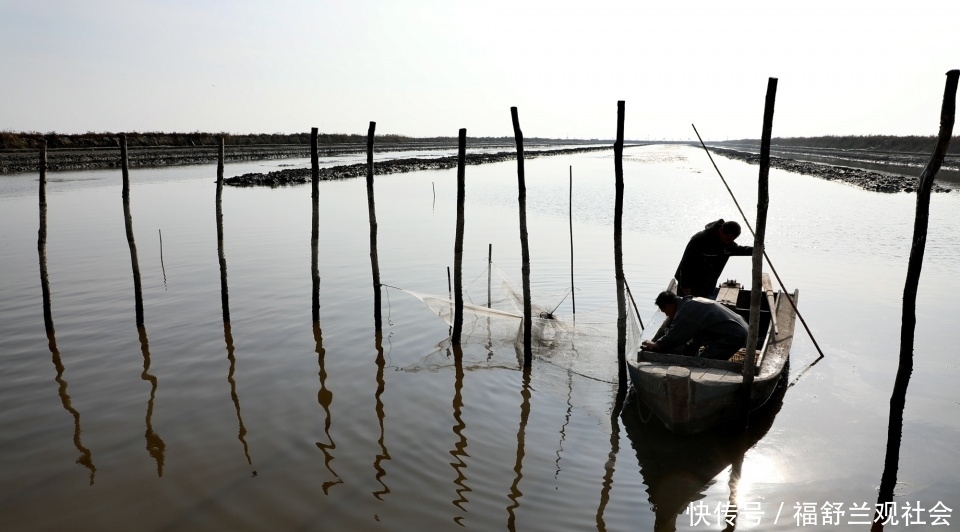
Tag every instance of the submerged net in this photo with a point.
(564, 347)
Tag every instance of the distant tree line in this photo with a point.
(880, 143)
(10, 140)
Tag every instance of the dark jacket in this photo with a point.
(706, 322)
(703, 260)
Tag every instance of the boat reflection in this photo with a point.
(678, 468)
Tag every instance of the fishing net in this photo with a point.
(565, 348)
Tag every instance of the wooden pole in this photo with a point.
(756, 290)
(524, 246)
(42, 239)
(374, 261)
(573, 295)
(224, 293)
(909, 319)
(618, 254)
(315, 223)
(458, 241)
(128, 224)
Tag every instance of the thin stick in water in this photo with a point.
(162, 267)
(573, 295)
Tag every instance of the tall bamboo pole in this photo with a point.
(374, 261)
(618, 255)
(756, 290)
(458, 241)
(524, 247)
(909, 319)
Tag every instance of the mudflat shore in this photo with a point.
(22, 161)
(297, 176)
(865, 179)
(68, 159)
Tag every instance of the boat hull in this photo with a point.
(690, 395)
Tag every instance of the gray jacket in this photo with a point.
(706, 321)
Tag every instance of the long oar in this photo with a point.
(774, 270)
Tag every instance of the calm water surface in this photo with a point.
(267, 422)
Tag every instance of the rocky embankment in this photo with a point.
(21, 161)
(297, 176)
(866, 179)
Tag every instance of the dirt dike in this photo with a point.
(865, 179)
(299, 176)
(24, 161)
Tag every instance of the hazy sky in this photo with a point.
(427, 68)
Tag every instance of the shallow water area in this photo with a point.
(231, 409)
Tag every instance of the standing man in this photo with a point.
(698, 322)
(706, 255)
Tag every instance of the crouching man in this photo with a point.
(699, 322)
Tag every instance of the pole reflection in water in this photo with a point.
(384, 455)
(225, 305)
(610, 466)
(155, 445)
(459, 451)
(324, 396)
(86, 457)
(515, 492)
(566, 421)
(325, 399)
(677, 469)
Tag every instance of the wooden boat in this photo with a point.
(691, 394)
